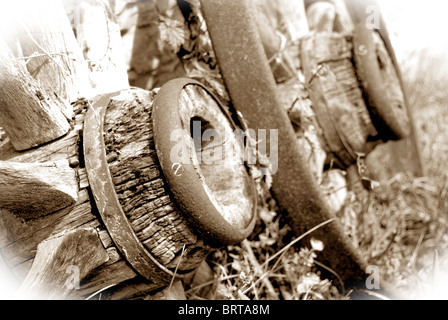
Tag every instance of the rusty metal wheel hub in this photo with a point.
(202, 200)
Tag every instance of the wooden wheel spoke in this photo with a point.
(61, 263)
(35, 189)
(54, 58)
(28, 114)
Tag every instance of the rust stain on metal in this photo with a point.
(184, 180)
(106, 198)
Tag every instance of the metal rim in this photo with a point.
(252, 89)
(187, 187)
(357, 11)
(106, 200)
(390, 118)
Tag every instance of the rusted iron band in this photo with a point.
(187, 188)
(390, 117)
(363, 37)
(252, 89)
(106, 199)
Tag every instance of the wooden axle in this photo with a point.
(155, 222)
(52, 216)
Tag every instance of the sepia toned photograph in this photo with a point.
(235, 151)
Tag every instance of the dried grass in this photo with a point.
(401, 226)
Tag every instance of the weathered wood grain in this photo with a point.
(54, 57)
(61, 149)
(34, 189)
(142, 192)
(337, 98)
(61, 262)
(28, 114)
(321, 16)
(19, 238)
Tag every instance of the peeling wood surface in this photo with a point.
(29, 115)
(106, 199)
(61, 262)
(33, 189)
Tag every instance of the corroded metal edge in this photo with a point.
(187, 188)
(391, 119)
(106, 199)
(253, 92)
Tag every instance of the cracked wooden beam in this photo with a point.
(34, 189)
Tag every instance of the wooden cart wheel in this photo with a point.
(105, 199)
(381, 83)
(385, 92)
(379, 76)
(252, 89)
(218, 196)
(337, 100)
